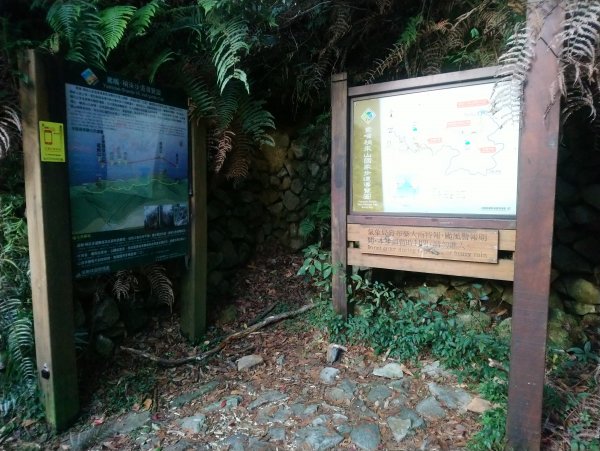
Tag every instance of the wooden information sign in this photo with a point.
(475, 245)
(424, 179)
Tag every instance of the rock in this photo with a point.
(314, 168)
(299, 150)
(504, 329)
(328, 375)
(249, 361)
(344, 429)
(194, 424)
(334, 352)
(188, 397)
(474, 320)
(429, 293)
(507, 295)
(266, 398)
(479, 405)
(290, 201)
(555, 300)
(431, 409)
(236, 228)
(236, 442)
(580, 308)
(104, 345)
(106, 314)
(268, 197)
(272, 414)
(452, 398)
(567, 260)
(366, 436)
(391, 371)
(297, 186)
(229, 402)
(580, 290)
(359, 406)
(561, 221)
(591, 194)
(227, 315)
(399, 427)
(567, 194)
(131, 422)
(277, 434)
(583, 215)
(276, 209)
(379, 393)
(304, 411)
(229, 253)
(320, 420)
(297, 243)
(590, 248)
(316, 438)
(285, 184)
(415, 420)
(435, 369)
(558, 336)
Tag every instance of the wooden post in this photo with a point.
(339, 190)
(49, 231)
(193, 305)
(535, 218)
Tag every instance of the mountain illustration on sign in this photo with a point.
(405, 189)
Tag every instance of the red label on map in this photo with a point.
(434, 140)
(458, 124)
(487, 149)
(472, 103)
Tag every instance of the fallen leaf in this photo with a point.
(406, 370)
(28, 422)
(147, 404)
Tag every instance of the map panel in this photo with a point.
(439, 151)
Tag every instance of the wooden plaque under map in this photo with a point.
(473, 245)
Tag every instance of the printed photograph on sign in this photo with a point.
(440, 151)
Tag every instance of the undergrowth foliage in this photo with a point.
(409, 329)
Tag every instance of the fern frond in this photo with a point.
(221, 143)
(255, 121)
(239, 160)
(515, 65)
(10, 128)
(229, 44)
(142, 18)
(123, 284)
(63, 17)
(113, 22)
(398, 51)
(160, 285)
(203, 103)
(164, 57)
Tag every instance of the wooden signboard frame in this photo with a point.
(49, 233)
(529, 235)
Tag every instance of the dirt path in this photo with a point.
(291, 399)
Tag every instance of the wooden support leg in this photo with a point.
(49, 231)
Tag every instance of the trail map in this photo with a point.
(440, 151)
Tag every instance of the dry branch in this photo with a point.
(201, 357)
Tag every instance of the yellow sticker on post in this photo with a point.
(52, 142)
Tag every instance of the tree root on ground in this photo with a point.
(234, 336)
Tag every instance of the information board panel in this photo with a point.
(474, 245)
(434, 152)
(127, 149)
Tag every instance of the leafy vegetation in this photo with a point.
(408, 329)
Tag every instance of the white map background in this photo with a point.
(443, 152)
